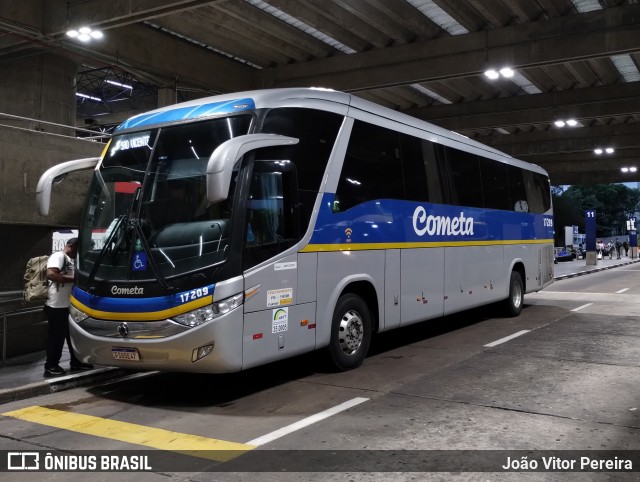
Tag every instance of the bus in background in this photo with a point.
(265, 224)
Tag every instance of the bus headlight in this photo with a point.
(210, 312)
(77, 315)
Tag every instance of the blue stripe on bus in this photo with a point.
(392, 221)
(140, 305)
(191, 112)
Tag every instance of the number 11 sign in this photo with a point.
(590, 235)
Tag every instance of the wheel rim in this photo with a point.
(516, 297)
(351, 332)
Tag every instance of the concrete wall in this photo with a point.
(24, 156)
(24, 233)
(39, 87)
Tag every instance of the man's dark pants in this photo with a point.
(57, 334)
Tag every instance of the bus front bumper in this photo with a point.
(213, 347)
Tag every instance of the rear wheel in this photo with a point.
(350, 332)
(513, 303)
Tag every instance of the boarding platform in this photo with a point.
(22, 377)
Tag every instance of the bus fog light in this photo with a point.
(201, 352)
(77, 315)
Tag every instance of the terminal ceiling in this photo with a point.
(574, 59)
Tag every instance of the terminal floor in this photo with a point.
(23, 376)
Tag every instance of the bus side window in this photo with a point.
(517, 190)
(372, 168)
(495, 184)
(537, 187)
(415, 163)
(465, 180)
(317, 131)
(271, 219)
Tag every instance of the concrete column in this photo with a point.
(40, 87)
(167, 96)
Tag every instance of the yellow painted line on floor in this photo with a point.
(194, 445)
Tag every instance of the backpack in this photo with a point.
(36, 285)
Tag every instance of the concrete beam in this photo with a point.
(118, 13)
(164, 60)
(151, 55)
(585, 139)
(588, 178)
(570, 38)
(580, 104)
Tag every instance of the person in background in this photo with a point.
(60, 271)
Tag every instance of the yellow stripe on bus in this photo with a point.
(142, 316)
(194, 445)
(441, 244)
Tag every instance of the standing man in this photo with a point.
(60, 270)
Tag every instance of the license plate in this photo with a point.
(125, 354)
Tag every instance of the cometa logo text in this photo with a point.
(441, 225)
(134, 290)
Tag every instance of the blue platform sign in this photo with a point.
(633, 236)
(590, 230)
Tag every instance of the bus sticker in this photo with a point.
(280, 320)
(283, 296)
(283, 266)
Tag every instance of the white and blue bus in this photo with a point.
(232, 231)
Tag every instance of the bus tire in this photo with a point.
(350, 332)
(513, 303)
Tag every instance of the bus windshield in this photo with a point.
(147, 214)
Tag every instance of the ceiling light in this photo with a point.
(567, 122)
(492, 74)
(85, 34)
(624, 169)
(124, 86)
(85, 96)
(609, 150)
(633, 169)
(598, 151)
(507, 72)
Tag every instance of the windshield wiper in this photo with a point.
(106, 248)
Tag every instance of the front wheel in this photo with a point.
(350, 332)
(513, 303)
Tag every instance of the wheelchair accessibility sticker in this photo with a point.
(139, 261)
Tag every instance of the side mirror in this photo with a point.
(54, 175)
(221, 162)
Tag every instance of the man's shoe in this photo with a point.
(55, 371)
(80, 367)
